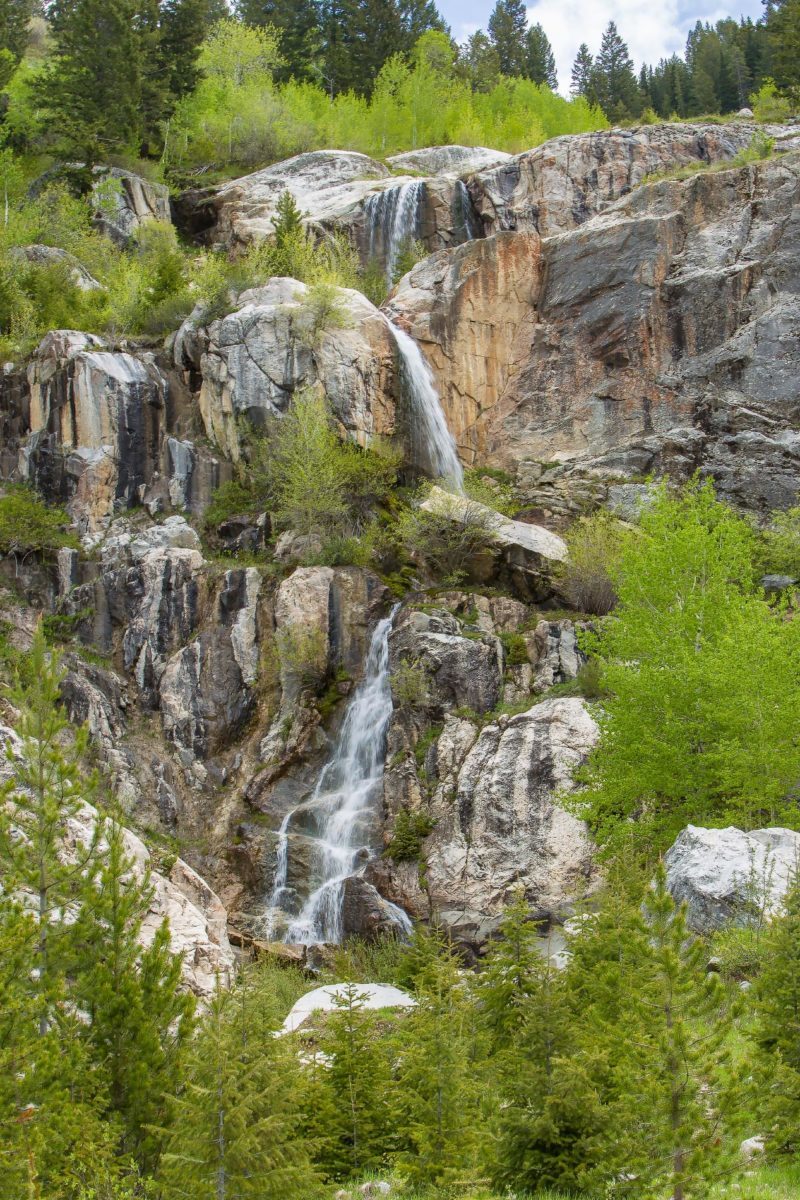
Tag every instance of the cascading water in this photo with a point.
(392, 218)
(339, 815)
(465, 226)
(433, 446)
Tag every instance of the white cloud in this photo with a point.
(652, 31)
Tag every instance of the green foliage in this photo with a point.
(410, 831)
(447, 537)
(28, 525)
(492, 488)
(778, 1026)
(312, 481)
(780, 550)
(303, 655)
(760, 148)
(234, 1118)
(699, 671)
(230, 499)
(516, 649)
(410, 686)
(595, 545)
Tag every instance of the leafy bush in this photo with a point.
(230, 500)
(28, 525)
(769, 105)
(516, 649)
(322, 310)
(779, 552)
(595, 545)
(409, 686)
(491, 487)
(303, 655)
(760, 148)
(410, 830)
(446, 538)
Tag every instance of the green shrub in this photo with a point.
(303, 655)
(230, 499)
(322, 311)
(410, 831)
(410, 686)
(491, 487)
(586, 578)
(768, 105)
(516, 649)
(28, 525)
(760, 148)
(779, 552)
(447, 538)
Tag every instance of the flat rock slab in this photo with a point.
(324, 999)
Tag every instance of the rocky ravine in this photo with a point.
(580, 344)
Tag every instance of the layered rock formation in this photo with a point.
(658, 336)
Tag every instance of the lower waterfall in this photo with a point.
(339, 817)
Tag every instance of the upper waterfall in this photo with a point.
(392, 219)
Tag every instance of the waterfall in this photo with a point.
(341, 813)
(433, 446)
(465, 226)
(392, 218)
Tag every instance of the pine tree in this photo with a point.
(138, 1019)
(783, 35)
(508, 26)
(234, 1127)
(540, 60)
(439, 1093)
(298, 22)
(667, 1122)
(184, 24)
(357, 1083)
(92, 87)
(479, 62)
(46, 791)
(581, 80)
(511, 973)
(613, 79)
(288, 220)
(15, 16)
(778, 1027)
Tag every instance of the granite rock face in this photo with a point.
(126, 202)
(562, 183)
(725, 876)
(658, 337)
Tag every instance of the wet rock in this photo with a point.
(451, 160)
(461, 671)
(365, 914)
(725, 876)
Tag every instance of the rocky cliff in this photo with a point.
(585, 326)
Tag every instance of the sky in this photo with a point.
(652, 30)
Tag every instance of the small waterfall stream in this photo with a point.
(340, 815)
(392, 218)
(433, 446)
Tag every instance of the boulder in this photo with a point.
(365, 913)
(253, 360)
(126, 202)
(329, 999)
(51, 256)
(725, 876)
(562, 183)
(461, 671)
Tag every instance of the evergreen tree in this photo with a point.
(15, 17)
(46, 791)
(184, 24)
(783, 35)
(613, 79)
(438, 1077)
(668, 1122)
(139, 1020)
(234, 1127)
(508, 26)
(778, 1027)
(357, 1081)
(581, 80)
(540, 60)
(479, 62)
(92, 87)
(511, 973)
(298, 22)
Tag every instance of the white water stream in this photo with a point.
(433, 446)
(340, 815)
(392, 218)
